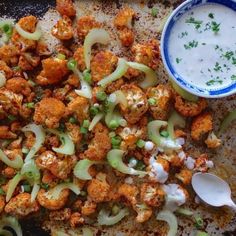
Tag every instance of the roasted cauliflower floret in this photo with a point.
(9, 54)
(129, 192)
(79, 57)
(202, 124)
(28, 61)
(18, 85)
(160, 101)
(9, 172)
(185, 176)
(98, 188)
(65, 8)
(6, 69)
(73, 131)
(50, 203)
(21, 205)
(202, 163)
(80, 107)
(147, 54)
(116, 85)
(137, 103)
(187, 108)
(99, 145)
(54, 70)
(27, 23)
(5, 133)
(2, 203)
(63, 29)
(60, 168)
(212, 141)
(102, 64)
(144, 213)
(123, 22)
(85, 24)
(88, 208)
(152, 194)
(49, 111)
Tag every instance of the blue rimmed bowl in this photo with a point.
(207, 92)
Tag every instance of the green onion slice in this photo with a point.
(94, 36)
(67, 146)
(39, 139)
(227, 121)
(81, 169)
(12, 222)
(35, 190)
(16, 163)
(150, 79)
(95, 120)
(32, 36)
(114, 158)
(104, 217)
(120, 70)
(171, 220)
(201, 233)
(184, 211)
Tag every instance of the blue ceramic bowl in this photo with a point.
(176, 14)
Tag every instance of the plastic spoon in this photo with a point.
(212, 190)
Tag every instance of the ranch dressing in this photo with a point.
(202, 46)
(157, 171)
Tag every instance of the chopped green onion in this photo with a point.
(30, 170)
(81, 169)
(86, 123)
(199, 223)
(72, 120)
(115, 210)
(116, 141)
(83, 130)
(183, 211)
(227, 121)
(104, 217)
(95, 120)
(152, 101)
(16, 68)
(171, 220)
(61, 56)
(11, 117)
(140, 143)
(94, 36)
(15, 163)
(67, 146)
(39, 139)
(154, 12)
(101, 96)
(44, 186)
(164, 133)
(150, 79)
(183, 93)
(201, 233)
(140, 165)
(114, 158)
(27, 188)
(32, 36)
(112, 134)
(62, 127)
(87, 76)
(30, 105)
(94, 110)
(72, 64)
(12, 222)
(2, 192)
(113, 124)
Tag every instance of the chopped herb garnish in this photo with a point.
(217, 67)
(192, 44)
(233, 77)
(211, 15)
(2, 192)
(197, 23)
(215, 27)
(44, 186)
(228, 55)
(204, 44)
(233, 60)
(154, 12)
(213, 81)
(217, 47)
(183, 34)
(178, 60)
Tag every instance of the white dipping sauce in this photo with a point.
(202, 46)
(157, 171)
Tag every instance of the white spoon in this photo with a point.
(212, 190)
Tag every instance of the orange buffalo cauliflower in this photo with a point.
(88, 208)
(152, 194)
(144, 212)
(9, 54)
(187, 108)
(65, 8)
(98, 188)
(160, 101)
(85, 24)
(76, 219)
(54, 70)
(28, 61)
(21, 205)
(27, 23)
(63, 29)
(51, 203)
(73, 131)
(137, 103)
(5, 133)
(185, 176)
(202, 163)
(18, 85)
(80, 107)
(129, 192)
(202, 124)
(116, 85)
(102, 64)
(148, 53)
(60, 215)
(123, 22)
(6, 69)
(100, 144)
(49, 111)
(59, 167)
(212, 141)
(79, 57)
(2, 203)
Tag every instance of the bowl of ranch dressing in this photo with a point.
(198, 47)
